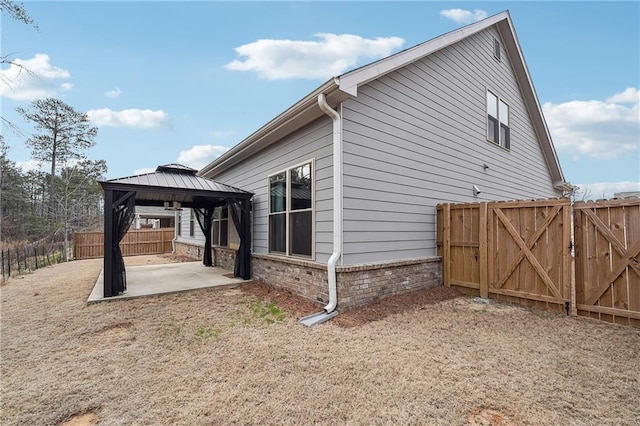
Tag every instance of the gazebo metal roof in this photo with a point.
(175, 182)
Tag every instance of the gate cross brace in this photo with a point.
(525, 250)
(628, 257)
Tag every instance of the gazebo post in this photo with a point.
(108, 241)
(246, 223)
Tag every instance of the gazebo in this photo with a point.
(172, 186)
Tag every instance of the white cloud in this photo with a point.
(593, 191)
(330, 56)
(35, 78)
(630, 95)
(113, 93)
(462, 16)
(30, 165)
(200, 155)
(140, 118)
(598, 129)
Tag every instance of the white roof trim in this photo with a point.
(350, 81)
(532, 102)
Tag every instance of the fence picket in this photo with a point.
(89, 245)
(528, 254)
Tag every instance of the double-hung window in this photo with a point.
(291, 211)
(192, 223)
(221, 226)
(498, 130)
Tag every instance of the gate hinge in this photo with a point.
(571, 246)
(567, 306)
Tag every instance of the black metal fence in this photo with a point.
(20, 260)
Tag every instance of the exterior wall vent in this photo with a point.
(496, 49)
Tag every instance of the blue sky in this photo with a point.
(184, 81)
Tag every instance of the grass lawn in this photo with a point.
(234, 356)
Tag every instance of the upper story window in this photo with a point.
(221, 226)
(496, 49)
(498, 130)
(291, 211)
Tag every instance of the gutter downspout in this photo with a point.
(337, 201)
(330, 311)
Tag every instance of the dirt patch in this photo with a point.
(114, 330)
(358, 316)
(86, 419)
(394, 305)
(286, 300)
(488, 417)
(154, 259)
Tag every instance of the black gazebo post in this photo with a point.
(246, 224)
(108, 238)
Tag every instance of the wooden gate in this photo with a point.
(517, 251)
(607, 260)
(529, 252)
(89, 245)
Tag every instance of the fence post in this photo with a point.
(567, 264)
(8, 263)
(446, 242)
(484, 280)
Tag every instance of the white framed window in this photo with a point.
(220, 227)
(498, 130)
(291, 201)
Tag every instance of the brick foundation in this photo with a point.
(189, 249)
(358, 285)
(224, 258)
(304, 278)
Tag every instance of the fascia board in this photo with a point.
(284, 119)
(508, 33)
(350, 81)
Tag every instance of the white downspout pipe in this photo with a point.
(337, 202)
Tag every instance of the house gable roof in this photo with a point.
(346, 85)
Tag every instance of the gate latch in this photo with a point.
(567, 305)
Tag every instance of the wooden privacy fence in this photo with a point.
(89, 245)
(607, 239)
(520, 251)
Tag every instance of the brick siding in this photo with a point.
(224, 258)
(358, 285)
(188, 249)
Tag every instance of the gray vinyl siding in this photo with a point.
(198, 235)
(417, 137)
(313, 141)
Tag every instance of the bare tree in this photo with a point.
(16, 11)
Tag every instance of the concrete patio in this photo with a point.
(147, 280)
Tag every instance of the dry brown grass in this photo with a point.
(211, 357)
